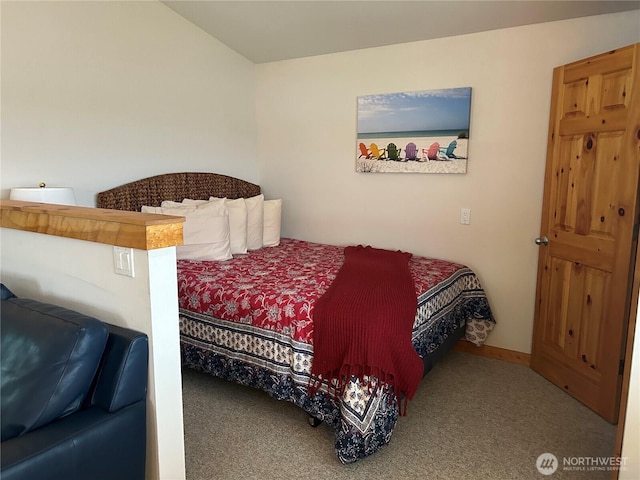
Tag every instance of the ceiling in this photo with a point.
(267, 30)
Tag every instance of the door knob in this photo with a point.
(542, 241)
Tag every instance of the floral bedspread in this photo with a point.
(249, 320)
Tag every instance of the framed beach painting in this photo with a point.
(414, 132)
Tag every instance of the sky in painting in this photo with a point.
(445, 109)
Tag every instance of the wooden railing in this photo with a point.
(142, 231)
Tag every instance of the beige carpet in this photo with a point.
(472, 418)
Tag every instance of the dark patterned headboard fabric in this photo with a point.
(176, 187)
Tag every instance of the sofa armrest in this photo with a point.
(122, 375)
(50, 356)
(90, 443)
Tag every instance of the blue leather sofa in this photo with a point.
(73, 395)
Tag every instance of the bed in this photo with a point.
(249, 319)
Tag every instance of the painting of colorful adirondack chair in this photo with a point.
(393, 152)
(377, 153)
(425, 131)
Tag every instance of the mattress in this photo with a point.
(250, 320)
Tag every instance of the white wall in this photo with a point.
(80, 275)
(95, 94)
(307, 141)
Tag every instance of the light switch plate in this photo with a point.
(465, 216)
(123, 261)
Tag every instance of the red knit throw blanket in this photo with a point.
(362, 325)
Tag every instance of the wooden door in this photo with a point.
(590, 218)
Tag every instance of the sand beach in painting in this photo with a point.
(423, 165)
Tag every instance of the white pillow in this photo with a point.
(255, 221)
(205, 230)
(186, 201)
(237, 223)
(237, 220)
(271, 231)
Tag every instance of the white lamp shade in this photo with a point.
(59, 195)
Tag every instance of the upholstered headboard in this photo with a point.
(152, 191)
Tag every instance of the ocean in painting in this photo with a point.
(462, 133)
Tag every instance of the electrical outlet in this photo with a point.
(465, 216)
(123, 261)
